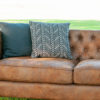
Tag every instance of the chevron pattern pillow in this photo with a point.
(50, 40)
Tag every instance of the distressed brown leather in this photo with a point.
(87, 72)
(49, 91)
(0, 45)
(27, 77)
(85, 44)
(44, 70)
(36, 91)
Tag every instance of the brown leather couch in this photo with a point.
(56, 78)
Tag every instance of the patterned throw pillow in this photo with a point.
(50, 40)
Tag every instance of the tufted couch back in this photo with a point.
(85, 44)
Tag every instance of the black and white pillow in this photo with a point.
(50, 40)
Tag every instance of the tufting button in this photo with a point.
(69, 37)
(98, 49)
(80, 37)
(93, 37)
(86, 49)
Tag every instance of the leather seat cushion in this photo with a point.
(42, 70)
(87, 72)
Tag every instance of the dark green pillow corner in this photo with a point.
(16, 39)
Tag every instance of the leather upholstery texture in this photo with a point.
(87, 72)
(53, 78)
(41, 70)
(49, 91)
(85, 44)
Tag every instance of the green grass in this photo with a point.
(75, 24)
(5, 98)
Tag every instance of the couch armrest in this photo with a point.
(0, 44)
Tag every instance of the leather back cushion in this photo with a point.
(85, 44)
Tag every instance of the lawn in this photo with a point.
(5, 98)
(74, 24)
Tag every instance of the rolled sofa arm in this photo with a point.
(0, 44)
